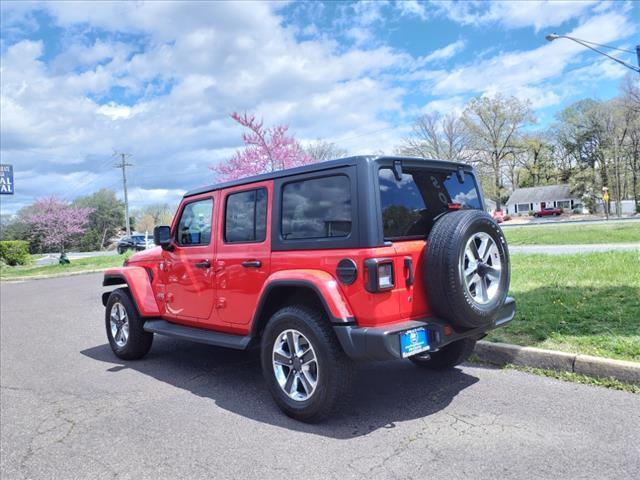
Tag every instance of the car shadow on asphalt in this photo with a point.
(382, 393)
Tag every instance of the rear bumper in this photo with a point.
(383, 343)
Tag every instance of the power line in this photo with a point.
(123, 165)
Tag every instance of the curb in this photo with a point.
(55, 275)
(503, 353)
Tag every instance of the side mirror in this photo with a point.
(162, 236)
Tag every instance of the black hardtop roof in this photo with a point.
(320, 166)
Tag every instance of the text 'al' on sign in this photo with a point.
(6, 179)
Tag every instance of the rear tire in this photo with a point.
(316, 386)
(447, 357)
(124, 326)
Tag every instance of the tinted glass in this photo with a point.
(317, 208)
(194, 227)
(411, 205)
(246, 216)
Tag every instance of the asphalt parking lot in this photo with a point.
(70, 409)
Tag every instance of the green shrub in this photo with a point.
(15, 252)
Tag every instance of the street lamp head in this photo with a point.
(552, 36)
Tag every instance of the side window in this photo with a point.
(194, 227)
(246, 216)
(316, 208)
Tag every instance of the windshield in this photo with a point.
(138, 238)
(410, 205)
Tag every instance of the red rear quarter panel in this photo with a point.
(368, 309)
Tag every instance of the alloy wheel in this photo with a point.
(119, 322)
(295, 365)
(481, 268)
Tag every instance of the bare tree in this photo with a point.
(442, 137)
(322, 150)
(631, 93)
(494, 125)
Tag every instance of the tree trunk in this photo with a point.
(104, 234)
(497, 185)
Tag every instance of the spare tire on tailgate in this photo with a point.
(466, 268)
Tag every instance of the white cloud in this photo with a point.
(412, 7)
(450, 105)
(445, 53)
(115, 111)
(509, 72)
(213, 58)
(516, 13)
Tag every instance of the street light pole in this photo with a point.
(554, 36)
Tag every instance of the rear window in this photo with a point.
(317, 208)
(411, 205)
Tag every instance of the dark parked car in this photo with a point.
(548, 212)
(134, 242)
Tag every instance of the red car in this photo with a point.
(363, 258)
(548, 212)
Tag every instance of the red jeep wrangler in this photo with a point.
(363, 258)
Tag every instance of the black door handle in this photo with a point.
(252, 263)
(204, 264)
(408, 264)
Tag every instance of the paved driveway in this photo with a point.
(70, 409)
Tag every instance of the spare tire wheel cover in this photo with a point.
(466, 268)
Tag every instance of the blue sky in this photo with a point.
(159, 79)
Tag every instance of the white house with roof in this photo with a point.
(522, 200)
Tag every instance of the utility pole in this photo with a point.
(123, 165)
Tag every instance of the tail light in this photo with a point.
(380, 275)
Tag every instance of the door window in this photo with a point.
(194, 227)
(246, 217)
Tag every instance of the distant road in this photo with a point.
(553, 221)
(569, 249)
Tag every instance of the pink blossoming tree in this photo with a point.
(266, 150)
(56, 222)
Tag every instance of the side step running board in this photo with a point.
(199, 335)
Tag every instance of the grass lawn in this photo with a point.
(78, 265)
(587, 303)
(574, 234)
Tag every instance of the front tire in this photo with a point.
(303, 364)
(124, 326)
(447, 357)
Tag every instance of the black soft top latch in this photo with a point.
(397, 169)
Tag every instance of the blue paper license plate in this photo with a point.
(413, 341)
